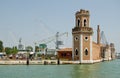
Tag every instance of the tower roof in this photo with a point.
(65, 49)
(82, 12)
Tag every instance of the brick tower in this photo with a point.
(82, 38)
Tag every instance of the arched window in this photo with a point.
(78, 22)
(85, 22)
(76, 52)
(86, 51)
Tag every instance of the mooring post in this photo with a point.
(58, 61)
(27, 62)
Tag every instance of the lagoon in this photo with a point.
(107, 69)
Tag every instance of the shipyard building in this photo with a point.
(84, 49)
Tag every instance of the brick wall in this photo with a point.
(96, 51)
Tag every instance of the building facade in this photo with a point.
(84, 49)
(65, 54)
(82, 38)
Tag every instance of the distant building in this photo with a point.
(65, 54)
(50, 51)
(106, 50)
(20, 46)
(47, 51)
(112, 51)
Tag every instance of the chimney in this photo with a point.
(98, 34)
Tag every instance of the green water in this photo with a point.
(109, 69)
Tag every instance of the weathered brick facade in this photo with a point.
(82, 38)
(84, 50)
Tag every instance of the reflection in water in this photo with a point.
(108, 69)
(86, 71)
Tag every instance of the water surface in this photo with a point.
(109, 69)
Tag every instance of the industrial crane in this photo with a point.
(52, 38)
(103, 39)
(58, 42)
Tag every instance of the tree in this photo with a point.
(14, 50)
(8, 50)
(1, 46)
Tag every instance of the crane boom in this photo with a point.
(52, 38)
(103, 38)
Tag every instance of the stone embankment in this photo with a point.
(36, 62)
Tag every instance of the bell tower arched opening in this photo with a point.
(76, 51)
(78, 23)
(85, 23)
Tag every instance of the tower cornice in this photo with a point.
(82, 30)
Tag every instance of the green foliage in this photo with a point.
(14, 50)
(1, 46)
(9, 50)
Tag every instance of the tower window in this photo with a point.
(85, 22)
(78, 22)
(76, 51)
(86, 38)
(76, 38)
(86, 51)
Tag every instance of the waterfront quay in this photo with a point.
(107, 69)
(40, 62)
(36, 62)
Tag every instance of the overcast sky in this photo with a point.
(34, 20)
